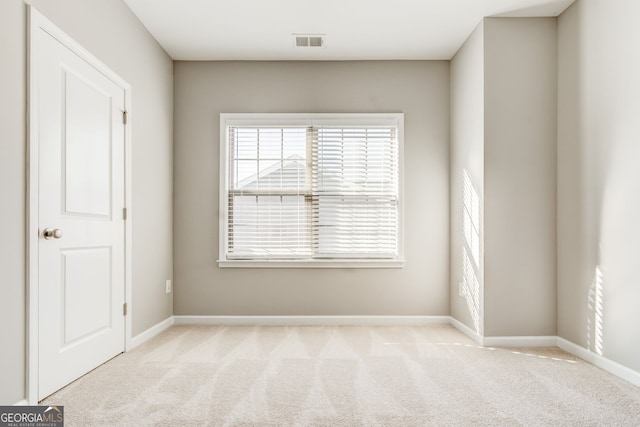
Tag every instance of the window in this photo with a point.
(311, 190)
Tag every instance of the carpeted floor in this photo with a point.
(343, 376)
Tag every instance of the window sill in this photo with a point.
(319, 263)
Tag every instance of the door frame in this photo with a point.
(37, 22)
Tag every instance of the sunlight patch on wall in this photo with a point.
(471, 219)
(471, 264)
(471, 290)
(595, 321)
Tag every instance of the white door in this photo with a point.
(81, 270)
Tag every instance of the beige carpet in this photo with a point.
(343, 376)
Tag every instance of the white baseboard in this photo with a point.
(23, 402)
(534, 341)
(151, 332)
(310, 320)
(600, 361)
(543, 341)
(477, 338)
(608, 365)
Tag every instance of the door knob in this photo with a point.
(52, 234)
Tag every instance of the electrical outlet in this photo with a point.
(168, 286)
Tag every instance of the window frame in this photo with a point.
(305, 120)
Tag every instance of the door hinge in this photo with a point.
(124, 117)
(124, 309)
(124, 213)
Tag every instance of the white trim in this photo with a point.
(319, 263)
(128, 223)
(156, 329)
(532, 341)
(23, 402)
(37, 22)
(602, 362)
(306, 119)
(223, 176)
(314, 119)
(310, 320)
(477, 338)
(516, 341)
(34, 23)
(608, 365)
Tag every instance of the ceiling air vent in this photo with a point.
(308, 40)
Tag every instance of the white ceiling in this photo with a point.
(354, 29)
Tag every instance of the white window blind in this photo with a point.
(314, 190)
(267, 205)
(355, 191)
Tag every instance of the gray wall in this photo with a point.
(599, 178)
(520, 176)
(467, 154)
(203, 90)
(503, 128)
(112, 33)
